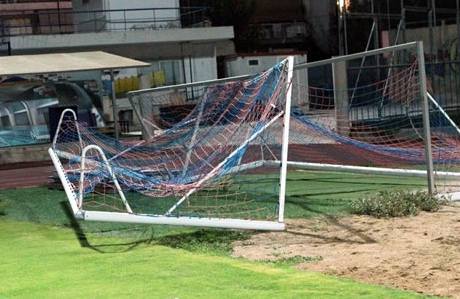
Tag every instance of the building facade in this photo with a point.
(178, 42)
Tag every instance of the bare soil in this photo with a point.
(420, 253)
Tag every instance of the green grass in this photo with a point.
(42, 261)
(46, 253)
(309, 194)
(315, 193)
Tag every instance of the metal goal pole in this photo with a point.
(426, 117)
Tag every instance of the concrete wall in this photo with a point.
(135, 44)
(24, 154)
(444, 38)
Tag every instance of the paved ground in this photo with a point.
(25, 176)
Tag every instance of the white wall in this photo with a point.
(165, 15)
(444, 38)
(203, 68)
(241, 66)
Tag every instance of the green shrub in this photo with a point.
(295, 260)
(396, 204)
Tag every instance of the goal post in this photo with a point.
(285, 140)
(426, 117)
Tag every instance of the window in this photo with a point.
(253, 62)
(5, 122)
(21, 119)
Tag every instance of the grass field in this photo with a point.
(45, 253)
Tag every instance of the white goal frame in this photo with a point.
(75, 195)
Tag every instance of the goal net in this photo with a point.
(218, 166)
(369, 113)
(373, 113)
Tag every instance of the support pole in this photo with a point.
(139, 117)
(403, 19)
(458, 26)
(426, 117)
(377, 46)
(345, 33)
(391, 62)
(340, 81)
(431, 31)
(192, 141)
(363, 60)
(114, 105)
(453, 124)
(340, 28)
(285, 143)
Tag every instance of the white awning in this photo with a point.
(64, 62)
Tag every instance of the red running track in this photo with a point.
(25, 177)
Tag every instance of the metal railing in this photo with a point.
(14, 23)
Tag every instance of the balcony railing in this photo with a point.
(16, 23)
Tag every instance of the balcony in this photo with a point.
(63, 21)
(145, 34)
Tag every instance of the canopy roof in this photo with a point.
(64, 62)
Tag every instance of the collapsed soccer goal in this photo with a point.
(222, 165)
(216, 153)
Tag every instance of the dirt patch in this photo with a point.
(419, 253)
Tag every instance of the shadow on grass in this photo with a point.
(330, 213)
(75, 226)
(84, 240)
(203, 240)
(306, 208)
(341, 180)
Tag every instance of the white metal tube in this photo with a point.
(192, 140)
(127, 149)
(367, 170)
(186, 221)
(109, 168)
(443, 112)
(285, 140)
(61, 118)
(425, 116)
(69, 191)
